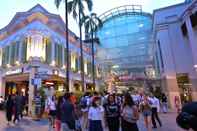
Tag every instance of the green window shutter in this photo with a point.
(56, 54)
(24, 51)
(17, 51)
(89, 68)
(65, 56)
(7, 54)
(60, 56)
(12, 58)
(79, 63)
(76, 64)
(3, 57)
(48, 51)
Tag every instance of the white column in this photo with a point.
(193, 45)
(169, 81)
(10, 51)
(192, 40)
(31, 90)
(71, 88)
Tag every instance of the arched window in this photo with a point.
(36, 46)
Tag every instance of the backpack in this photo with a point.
(83, 102)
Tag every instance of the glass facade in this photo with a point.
(126, 42)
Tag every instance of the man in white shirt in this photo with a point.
(155, 108)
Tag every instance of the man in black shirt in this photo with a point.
(164, 103)
(67, 114)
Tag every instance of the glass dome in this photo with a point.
(126, 39)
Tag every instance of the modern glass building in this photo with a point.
(126, 42)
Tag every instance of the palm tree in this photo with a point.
(92, 23)
(57, 3)
(76, 7)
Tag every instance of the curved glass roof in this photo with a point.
(126, 38)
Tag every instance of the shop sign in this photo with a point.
(37, 82)
(43, 75)
(12, 72)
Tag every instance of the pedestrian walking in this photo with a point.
(58, 114)
(155, 107)
(9, 108)
(84, 104)
(130, 114)
(17, 107)
(177, 103)
(112, 114)
(51, 106)
(67, 114)
(164, 102)
(145, 107)
(96, 115)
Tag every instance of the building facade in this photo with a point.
(175, 32)
(33, 54)
(126, 42)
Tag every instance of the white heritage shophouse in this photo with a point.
(33, 51)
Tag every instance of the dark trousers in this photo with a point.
(113, 123)
(95, 125)
(16, 115)
(127, 126)
(155, 116)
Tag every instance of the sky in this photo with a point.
(8, 8)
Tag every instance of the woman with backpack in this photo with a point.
(112, 114)
(145, 107)
(129, 114)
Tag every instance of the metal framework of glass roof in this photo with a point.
(122, 10)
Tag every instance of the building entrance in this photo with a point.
(184, 87)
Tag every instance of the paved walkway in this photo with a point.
(168, 120)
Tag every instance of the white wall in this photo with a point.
(181, 50)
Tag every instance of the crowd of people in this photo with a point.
(97, 112)
(15, 105)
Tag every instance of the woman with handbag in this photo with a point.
(130, 114)
(51, 108)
